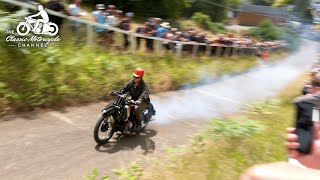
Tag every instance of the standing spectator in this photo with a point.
(157, 22)
(112, 20)
(125, 25)
(111, 9)
(74, 10)
(100, 17)
(160, 32)
(140, 30)
(57, 6)
(151, 33)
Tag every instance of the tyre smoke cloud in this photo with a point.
(226, 94)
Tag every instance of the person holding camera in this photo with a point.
(302, 143)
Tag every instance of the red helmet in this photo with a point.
(139, 72)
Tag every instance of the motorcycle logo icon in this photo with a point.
(38, 26)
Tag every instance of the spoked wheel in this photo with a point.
(104, 129)
(23, 29)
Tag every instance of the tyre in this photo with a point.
(23, 29)
(55, 29)
(104, 129)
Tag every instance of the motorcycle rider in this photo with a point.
(43, 14)
(139, 93)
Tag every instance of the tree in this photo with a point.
(262, 2)
(152, 8)
(266, 31)
(278, 3)
(213, 8)
(302, 9)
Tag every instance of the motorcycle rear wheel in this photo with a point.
(104, 126)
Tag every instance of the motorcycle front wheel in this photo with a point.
(104, 129)
(23, 29)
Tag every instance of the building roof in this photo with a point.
(263, 10)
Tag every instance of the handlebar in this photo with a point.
(127, 101)
(114, 94)
(131, 102)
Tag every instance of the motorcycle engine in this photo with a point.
(124, 115)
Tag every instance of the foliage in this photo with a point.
(302, 9)
(210, 7)
(233, 129)
(266, 31)
(95, 175)
(292, 38)
(134, 172)
(204, 21)
(262, 2)
(216, 27)
(263, 106)
(147, 8)
(276, 3)
(279, 3)
(200, 18)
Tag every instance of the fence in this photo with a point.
(179, 47)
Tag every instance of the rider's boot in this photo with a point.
(140, 125)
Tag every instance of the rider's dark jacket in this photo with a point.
(141, 92)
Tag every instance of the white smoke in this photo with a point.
(227, 94)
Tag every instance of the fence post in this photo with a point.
(218, 51)
(241, 52)
(133, 42)
(179, 49)
(159, 46)
(227, 51)
(195, 50)
(89, 34)
(234, 51)
(248, 52)
(208, 50)
(254, 52)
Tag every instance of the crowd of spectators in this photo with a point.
(153, 27)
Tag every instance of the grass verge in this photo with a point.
(230, 145)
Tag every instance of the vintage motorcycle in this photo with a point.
(120, 116)
(49, 28)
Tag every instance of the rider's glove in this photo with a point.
(138, 102)
(111, 93)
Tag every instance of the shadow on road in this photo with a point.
(130, 142)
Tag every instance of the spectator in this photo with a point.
(125, 25)
(111, 9)
(57, 6)
(74, 10)
(112, 20)
(164, 27)
(151, 33)
(157, 22)
(140, 30)
(100, 17)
